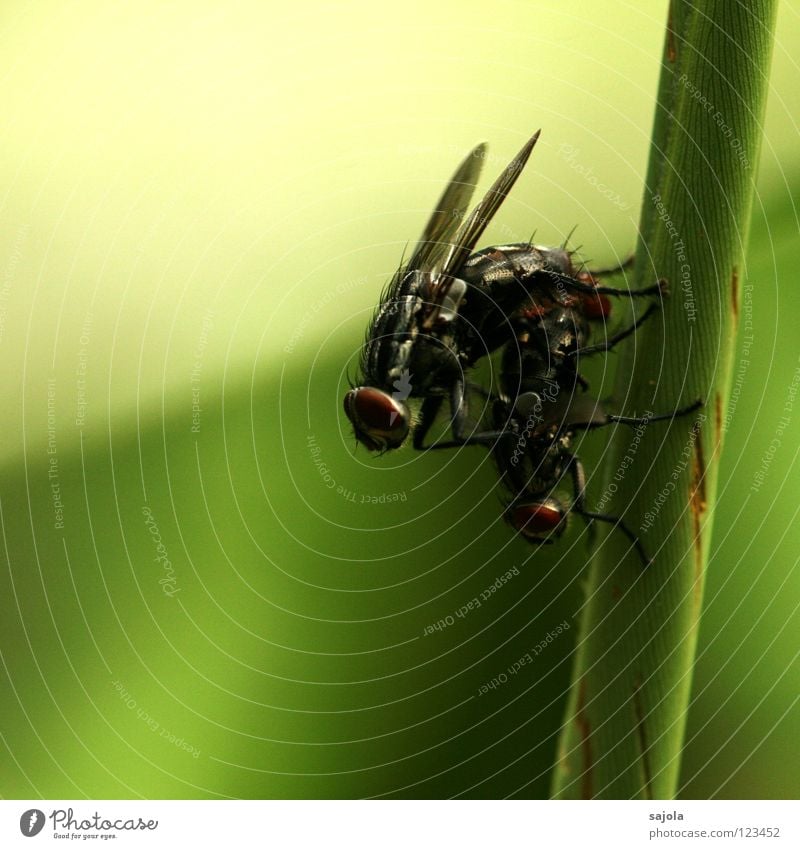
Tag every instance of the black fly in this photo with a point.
(447, 307)
(425, 333)
(540, 410)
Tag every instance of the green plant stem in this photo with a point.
(626, 715)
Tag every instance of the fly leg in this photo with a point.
(634, 421)
(611, 341)
(579, 506)
(597, 417)
(659, 288)
(464, 431)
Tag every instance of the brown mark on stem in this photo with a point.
(697, 503)
(584, 728)
(641, 736)
(735, 295)
(672, 52)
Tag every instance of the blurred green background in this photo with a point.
(200, 598)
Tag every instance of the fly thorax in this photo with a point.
(443, 296)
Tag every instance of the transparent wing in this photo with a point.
(464, 241)
(447, 216)
(472, 229)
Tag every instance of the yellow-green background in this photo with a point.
(226, 187)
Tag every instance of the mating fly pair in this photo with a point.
(448, 307)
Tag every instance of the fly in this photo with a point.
(540, 412)
(448, 307)
(419, 342)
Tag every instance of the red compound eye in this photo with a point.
(379, 421)
(596, 307)
(539, 519)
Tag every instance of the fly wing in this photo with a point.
(472, 229)
(437, 237)
(392, 316)
(464, 241)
